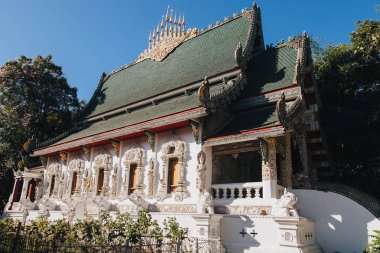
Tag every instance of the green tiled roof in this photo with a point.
(271, 70)
(167, 107)
(207, 54)
(250, 120)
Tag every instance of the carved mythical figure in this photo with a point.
(39, 189)
(61, 186)
(90, 183)
(201, 170)
(150, 178)
(205, 203)
(114, 180)
(284, 207)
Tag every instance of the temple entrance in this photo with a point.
(100, 181)
(237, 168)
(173, 175)
(133, 174)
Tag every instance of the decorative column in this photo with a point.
(269, 168)
(181, 189)
(79, 180)
(107, 168)
(288, 169)
(150, 178)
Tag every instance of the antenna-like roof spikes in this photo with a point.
(162, 22)
(158, 28)
(171, 16)
(167, 14)
(175, 18)
(183, 20)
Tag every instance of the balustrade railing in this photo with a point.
(238, 190)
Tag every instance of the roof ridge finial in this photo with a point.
(167, 14)
(162, 22)
(171, 18)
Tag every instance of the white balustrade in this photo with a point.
(237, 190)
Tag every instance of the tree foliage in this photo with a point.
(105, 231)
(348, 76)
(35, 102)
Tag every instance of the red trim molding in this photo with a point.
(246, 136)
(124, 131)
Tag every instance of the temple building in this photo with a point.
(210, 126)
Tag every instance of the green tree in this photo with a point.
(348, 76)
(35, 102)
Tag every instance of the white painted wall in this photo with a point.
(342, 224)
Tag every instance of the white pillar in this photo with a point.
(269, 169)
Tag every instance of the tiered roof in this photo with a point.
(150, 93)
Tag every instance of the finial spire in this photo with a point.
(171, 16)
(167, 14)
(169, 33)
(162, 22)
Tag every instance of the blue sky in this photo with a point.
(88, 37)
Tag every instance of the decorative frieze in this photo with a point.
(243, 210)
(245, 136)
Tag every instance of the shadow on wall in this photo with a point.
(342, 224)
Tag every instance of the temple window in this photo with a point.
(173, 181)
(134, 165)
(52, 184)
(100, 181)
(133, 178)
(102, 166)
(74, 183)
(173, 171)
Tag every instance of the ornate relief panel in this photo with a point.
(102, 166)
(76, 169)
(201, 171)
(151, 177)
(173, 149)
(134, 156)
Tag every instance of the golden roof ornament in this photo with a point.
(168, 35)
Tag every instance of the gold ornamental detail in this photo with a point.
(167, 36)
